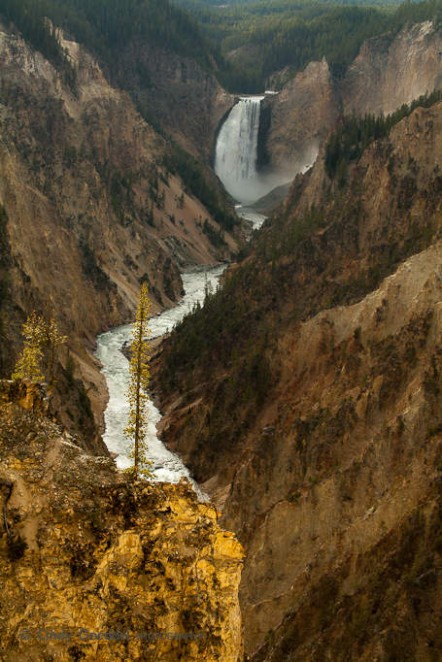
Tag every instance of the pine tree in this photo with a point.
(54, 339)
(139, 374)
(29, 363)
(40, 338)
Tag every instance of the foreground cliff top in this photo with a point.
(95, 568)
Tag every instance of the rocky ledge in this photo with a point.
(94, 567)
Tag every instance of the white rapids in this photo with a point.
(166, 466)
(253, 217)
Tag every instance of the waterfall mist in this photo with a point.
(237, 150)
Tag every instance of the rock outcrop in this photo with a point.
(302, 114)
(389, 71)
(95, 568)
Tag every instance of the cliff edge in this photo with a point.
(96, 569)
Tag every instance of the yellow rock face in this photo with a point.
(95, 569)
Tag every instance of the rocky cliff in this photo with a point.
(301, 115)
(94, 568)
(181, 95)
(389, 71)
(88, 208)
(316, 419)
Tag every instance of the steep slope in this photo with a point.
(150, 48)
(181, 96)
(301, 115)
(89, 209)
(343, 526)
(389, 71)
(314, 417)
(95, 569)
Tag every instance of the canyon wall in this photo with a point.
(389, 71)
(315, 416)
(301, 115)
(179, 94)
(88, 208)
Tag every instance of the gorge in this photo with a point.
(307, 432)
(235, 165)
(166, 467)
(303, 397)
(310, 427)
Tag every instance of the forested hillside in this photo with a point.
(348, 142)
(105, 26)
(243, 43)
(257, 38)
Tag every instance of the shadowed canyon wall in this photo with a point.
(182, 97)
(88, 208)
(316, 420)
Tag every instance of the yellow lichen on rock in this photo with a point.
(97, 569)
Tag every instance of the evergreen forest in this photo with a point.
(248, 44)
(256, 38)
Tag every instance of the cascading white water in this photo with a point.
(236, 155)
(166, 466)
(237, 149)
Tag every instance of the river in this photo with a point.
(166, 466)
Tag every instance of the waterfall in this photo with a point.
(237, 148)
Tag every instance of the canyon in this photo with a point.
(89, 210)
(304, 396)
(389, 71)
(317, 428)
(312, 416)
(91, 205)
